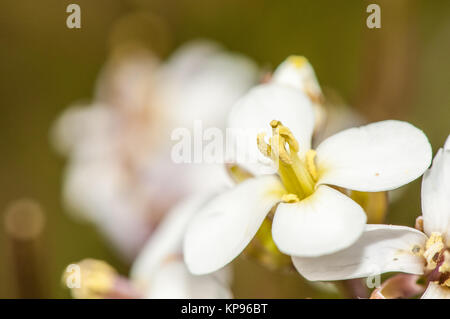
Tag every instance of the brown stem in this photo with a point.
(24, 223)
(353, 288)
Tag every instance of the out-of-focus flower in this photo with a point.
(158, 271)
(120, 175)
(386, 248)
(312, 219)
(96, 279)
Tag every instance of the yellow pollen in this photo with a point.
(433, 246)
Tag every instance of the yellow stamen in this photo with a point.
(289, 137)
(237, 173)
(433, 246)
(96, 279)
(279, 151)
(310, 156)
(263, 147)
(445, 267)
(290, 198)
(298, 176)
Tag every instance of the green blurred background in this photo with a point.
(400, 71)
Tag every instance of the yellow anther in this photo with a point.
(95, 279)
(290, 198)
(433, 246)
(278, 149)
(274, 123)
(289, 137)
(445, 267)
(297, 61)
(435, 241)
(293, 171)
(263, 147)
(279, 129)
(310, 164)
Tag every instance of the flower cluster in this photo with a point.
(314, 199)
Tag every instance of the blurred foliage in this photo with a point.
(400, 71)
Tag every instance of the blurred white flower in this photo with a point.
(398, 248)
(160, 272)
(120, 175)
(312, 219)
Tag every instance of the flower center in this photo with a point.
(298, 175)
(437, 257)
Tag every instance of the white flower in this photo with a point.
(332, 115)
(386, 248)
(120, 174)
(312, 218)
(160, 272)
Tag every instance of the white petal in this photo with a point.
(91, 188)
(253, 113)
(188, 58)
(447, 143)
(125, 232)
(127, 82)
(376, 157)
(323, 223)
(435, 291)
(166, 242)
(226, 224)
(380, 249)
(436, 195)
(337, 117)
(173, 281)
(200, 83)
(297, 72)
(93, 191)
(83, 130)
